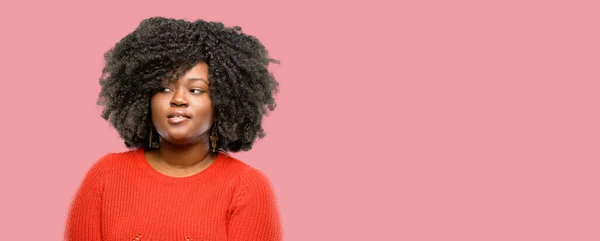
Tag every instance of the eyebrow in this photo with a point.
(201, 79)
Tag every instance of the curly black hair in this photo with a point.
(242, 89)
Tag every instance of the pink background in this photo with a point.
(436, 120)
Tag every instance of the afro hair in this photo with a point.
(242, 89)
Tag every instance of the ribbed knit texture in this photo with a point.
(122, 197)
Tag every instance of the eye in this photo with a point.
(196, 91)
(163, 89)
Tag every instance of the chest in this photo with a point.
(136, 211)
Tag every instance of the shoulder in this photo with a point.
(116, 158)
(111, 160)
(255, 179)
(249, 180)
(244, 172)
(109, 163)
(253, 194)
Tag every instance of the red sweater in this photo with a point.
(122, 197)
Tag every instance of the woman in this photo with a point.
(181, 95)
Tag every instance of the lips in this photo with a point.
(178, 117)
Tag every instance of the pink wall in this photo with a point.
(446, 120)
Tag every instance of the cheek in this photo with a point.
(206, 113)
(156, 107)
(202, 106)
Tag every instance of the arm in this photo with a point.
(255, 214)
(83, 219)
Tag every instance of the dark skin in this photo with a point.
(182, 114)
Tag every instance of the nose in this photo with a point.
(179, 99)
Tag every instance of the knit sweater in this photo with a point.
(122, 197)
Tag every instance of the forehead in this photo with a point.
(198, 71)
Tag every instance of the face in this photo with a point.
(182, 110)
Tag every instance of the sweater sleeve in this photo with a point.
(83, 219)
(255, 214)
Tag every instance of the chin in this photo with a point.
(179, 141)
(181, 138)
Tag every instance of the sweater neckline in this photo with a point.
(212, 168)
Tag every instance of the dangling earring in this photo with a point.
(151, 142)
(214, 137)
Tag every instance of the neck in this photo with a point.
(184, 156)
